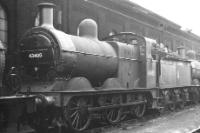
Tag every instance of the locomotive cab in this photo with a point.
(139, 69)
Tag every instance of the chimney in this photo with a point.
(46, 14)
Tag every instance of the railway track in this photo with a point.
(103, 127)
(130, 124)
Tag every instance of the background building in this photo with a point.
(16, 16)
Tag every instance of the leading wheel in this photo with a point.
(77, 115)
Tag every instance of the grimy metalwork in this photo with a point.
(70, 80)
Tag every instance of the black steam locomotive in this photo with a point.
(76, 79)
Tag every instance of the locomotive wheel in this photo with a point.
(114, 115)
(139, 110)
(76, 114)
(181, 105)
(123, 114)
(170, 100)
(171, 106)
(195, 96)
(183, 102)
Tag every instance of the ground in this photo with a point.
(186, 121)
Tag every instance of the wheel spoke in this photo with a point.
(76, 114)
(137, 111)
(75, 119)
(140, 110)
(111, 114)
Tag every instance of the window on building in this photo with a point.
(3, 26)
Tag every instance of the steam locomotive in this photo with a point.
(77, 79)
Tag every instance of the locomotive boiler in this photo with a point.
(78, 78)
(48, 52)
